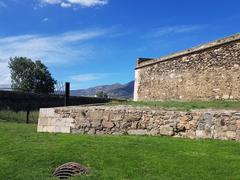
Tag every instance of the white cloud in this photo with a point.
(4, 73)
(88, 77)
(70, 3)
(89, 3)
(55, 49)
(65, 5)
(45, 19)
(3, 4)
(176, 30)
(51, 1)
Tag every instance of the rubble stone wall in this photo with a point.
(106, 120)
(210, 71)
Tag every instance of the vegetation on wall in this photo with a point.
(184, 105)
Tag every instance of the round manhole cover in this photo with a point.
(70, 169)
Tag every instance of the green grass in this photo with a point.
(27, 155)
(19, 117)
(183, 105)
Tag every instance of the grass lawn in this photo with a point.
(27, 155)
(183, 105)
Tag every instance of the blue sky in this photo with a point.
(95, 42)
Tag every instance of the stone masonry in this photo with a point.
(117, 120)
(209, 71)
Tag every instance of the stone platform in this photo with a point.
(106, 120)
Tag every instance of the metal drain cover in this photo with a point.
(70, 169)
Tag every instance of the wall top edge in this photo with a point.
(143, 62)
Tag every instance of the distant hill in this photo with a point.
(114, 91)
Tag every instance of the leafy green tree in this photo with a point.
(43, 81)
(22, 73)
(30, 76)
(101, 94)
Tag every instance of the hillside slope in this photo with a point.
(114, 91)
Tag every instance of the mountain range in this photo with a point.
(117, 90)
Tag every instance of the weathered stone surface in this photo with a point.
(91, 131)
(218, 124)
(138, 132)
(107, 124)
(201, 134)
(184, 120)
(96, 123)
(77, 131)
(166, 130)
(95, 115)
(210, 71)
(231, 135)
(154, 132)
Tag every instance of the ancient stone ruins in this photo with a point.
(102, 120)
(209, 71)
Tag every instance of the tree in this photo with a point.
(22, 73)
(30, 76)
(101, 94)
(44, 83)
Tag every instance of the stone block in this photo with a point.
(154, 132)
(108, 124)
(60, 122)
(116, 116)
(203, 134)
(77, 131)
(137, 132)
(47, 112)
(106, 115)
(44, 129)
(238, 135)
(225, 96)
(184, 120)
(43, 121)
(96, 123)
(100, 132)
(132, 116)
(191, 134)
(50, 129)
(232, 128)
(231, 135)
(238, 124)
(95, 115)
(69, 122)
(237, 114)
(92, 131)
(166, 130)
(62, 129)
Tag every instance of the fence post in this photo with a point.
(27, 120)
(67, 93)
(28, 112)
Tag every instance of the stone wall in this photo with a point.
(100, 120)
(210, 71)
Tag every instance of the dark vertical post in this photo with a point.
(67, 93)
(28, 108)
(27, 120)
